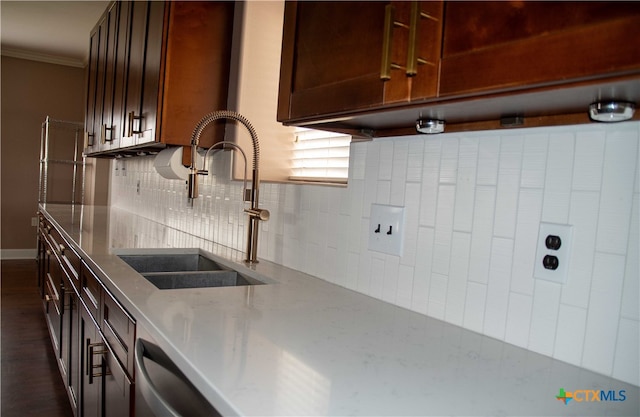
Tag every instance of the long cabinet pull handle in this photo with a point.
(91, 352)
(88, 142)
(132, 117)
(103, 134)
(412, 55)
(387, 42)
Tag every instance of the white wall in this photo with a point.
(473, 203)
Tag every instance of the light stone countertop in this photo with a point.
(302, 346)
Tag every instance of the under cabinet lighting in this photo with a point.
(612, 111)
(430, 126)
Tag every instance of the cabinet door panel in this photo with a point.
(143, 67)
(92, 365)
(501, 46)
(117, 388)
(349, 57)
(333, 71)
(108, 132)
(91, 139)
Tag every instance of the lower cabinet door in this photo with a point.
(117, 388)
(52, 305)
(69, 349)
(92, 365)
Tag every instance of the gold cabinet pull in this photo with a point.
(88, 142)
(130, 122)
(103, 134)
(91, 352)
(412, 55)
(387, 42)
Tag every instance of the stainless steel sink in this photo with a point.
(174, 271)
(170, 262)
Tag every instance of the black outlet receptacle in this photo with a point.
(553, 242)
(550, 262)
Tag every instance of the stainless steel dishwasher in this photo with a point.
(161, 388)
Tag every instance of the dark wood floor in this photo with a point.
(31, 383)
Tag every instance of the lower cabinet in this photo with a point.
(70, 340)
(91, 333)
(107, 382)
(91, 365)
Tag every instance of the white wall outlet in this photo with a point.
(386, 229)
(552, 255)
(34, 221)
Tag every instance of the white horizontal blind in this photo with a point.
(320, 156)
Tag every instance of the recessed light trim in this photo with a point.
(430, 126)
(611, 111)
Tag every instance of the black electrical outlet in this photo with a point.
(550, 262)
(553, 242)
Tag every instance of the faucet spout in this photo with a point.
(256, 214)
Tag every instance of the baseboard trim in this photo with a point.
(8, 254)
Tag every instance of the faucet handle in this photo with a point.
(261, 214)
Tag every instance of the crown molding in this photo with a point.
(36, 56)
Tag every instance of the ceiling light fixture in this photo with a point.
(611, 111)
(430, 126)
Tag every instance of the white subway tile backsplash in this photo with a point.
(414, 159)
(604, 309)
(570, 333)
(473, 205)
(526, 239)
(626, 365)
(437, 296)
(488, 160)
(557, 189)
(587, 171)
(449, 161)
(458, 273)
(534, 160)
(475, 306)
(422, 278)
(583, 215)
(429, 187)
(498, 288)
(482, 234)
(616, 197)
(518, 319)
(444, 229)
(544, 316)
(631, 286)
(385, 168)
(465, 185)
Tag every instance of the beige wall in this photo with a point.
(31, 91)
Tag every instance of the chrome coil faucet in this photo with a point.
(256, 214)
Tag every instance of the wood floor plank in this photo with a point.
(31, 382)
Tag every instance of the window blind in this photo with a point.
(320, 156)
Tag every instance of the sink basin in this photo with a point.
(170, 263)
(198, 279)
(192, 270)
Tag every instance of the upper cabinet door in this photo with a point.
(509, 45)
(95, 85)
(341, 57)
(142, 66)
(156, 68)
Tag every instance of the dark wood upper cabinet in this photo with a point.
(496, 46)
(163, 66)
(343, 56)
(478, 62)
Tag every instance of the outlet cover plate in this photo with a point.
(386, 219)
(564, 231)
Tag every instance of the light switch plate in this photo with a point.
(386, 229)
(562, 253)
